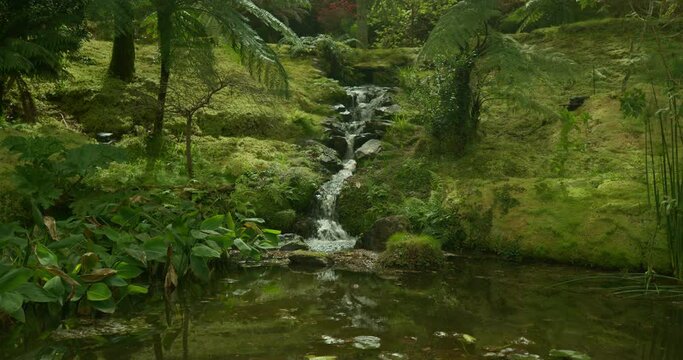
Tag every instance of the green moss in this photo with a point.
(412, 252)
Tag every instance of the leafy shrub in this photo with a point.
(633, 103)
(412, 252)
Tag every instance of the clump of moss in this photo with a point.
(412, 252)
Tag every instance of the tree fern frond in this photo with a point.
(456, 28)
(259, 58)
(266, 17)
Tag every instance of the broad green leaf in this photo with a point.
(225, 242)
(242, 246)
(116, 281)
(11, 302)
(200, 268)
(212, 223)
(55, 287)
(34, 293)
(204, 251)
(127, 271)
(46, 257)
(137, 253)
(137, 289)
(19, 315)
(14, 278)
(99, 292)
(155, 249)
(230, 222)
(106, 306)
(67, 242)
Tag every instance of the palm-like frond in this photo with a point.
(458, 26)
(229, 21)
(554, 12)
(285, 10)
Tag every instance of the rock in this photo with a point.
(339, 144)
(376, 238)
(576, 102)
(568, 355)
(369, 149)
(309, 260)
(326, 156)
(378, 127)
(363, 138)
(304, 227)
(292, 242)
(366, 342)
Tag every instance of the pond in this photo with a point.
(477, 309)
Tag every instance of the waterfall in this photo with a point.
(330, 235)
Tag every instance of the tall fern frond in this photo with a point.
(458, 26)
(554, 12)
(259, 58)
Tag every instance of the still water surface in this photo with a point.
(276, 313)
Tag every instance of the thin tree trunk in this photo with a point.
(122, 65)
(2, 97)
(363, 9)
(188, 147)
(165, 27)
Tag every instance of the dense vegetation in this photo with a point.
(147, 143)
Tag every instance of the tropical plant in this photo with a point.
(333, 55)
(49, 170)
(474, 63)
(34, 35)
(189, 29)
(405, 22)
(92, 262)
(542, 13)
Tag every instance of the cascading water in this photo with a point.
(330, 235)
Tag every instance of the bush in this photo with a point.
(412, 252)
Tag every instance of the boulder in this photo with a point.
(309, 260)
(305, 227)
(292, 242)
(376, 238)
(369, 149)
(365, 137)
(339, 144)
(326, 156)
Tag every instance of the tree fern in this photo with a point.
(34, 34)
(474, 64)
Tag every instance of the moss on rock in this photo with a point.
(412, 252)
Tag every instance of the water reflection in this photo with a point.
(279, 314)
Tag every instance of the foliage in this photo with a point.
(633, 103)
(88, 262)
(49, 170)
(333, 55)
(473, 64)
(35, 36)
(543, 13)
(569, 121)
(400, 23)
(188, 31)
(335, 16)
(412, 252)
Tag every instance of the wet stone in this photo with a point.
(366, 342)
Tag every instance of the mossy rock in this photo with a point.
(412, 252)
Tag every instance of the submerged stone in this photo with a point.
(568, 355)
(366, 342)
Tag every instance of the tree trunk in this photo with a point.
(362, 19)
(2, 96)
(122, 65)
(28, 104)
(188, 147)
(165, 28)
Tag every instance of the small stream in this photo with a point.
(365, 101)
(274, 313)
